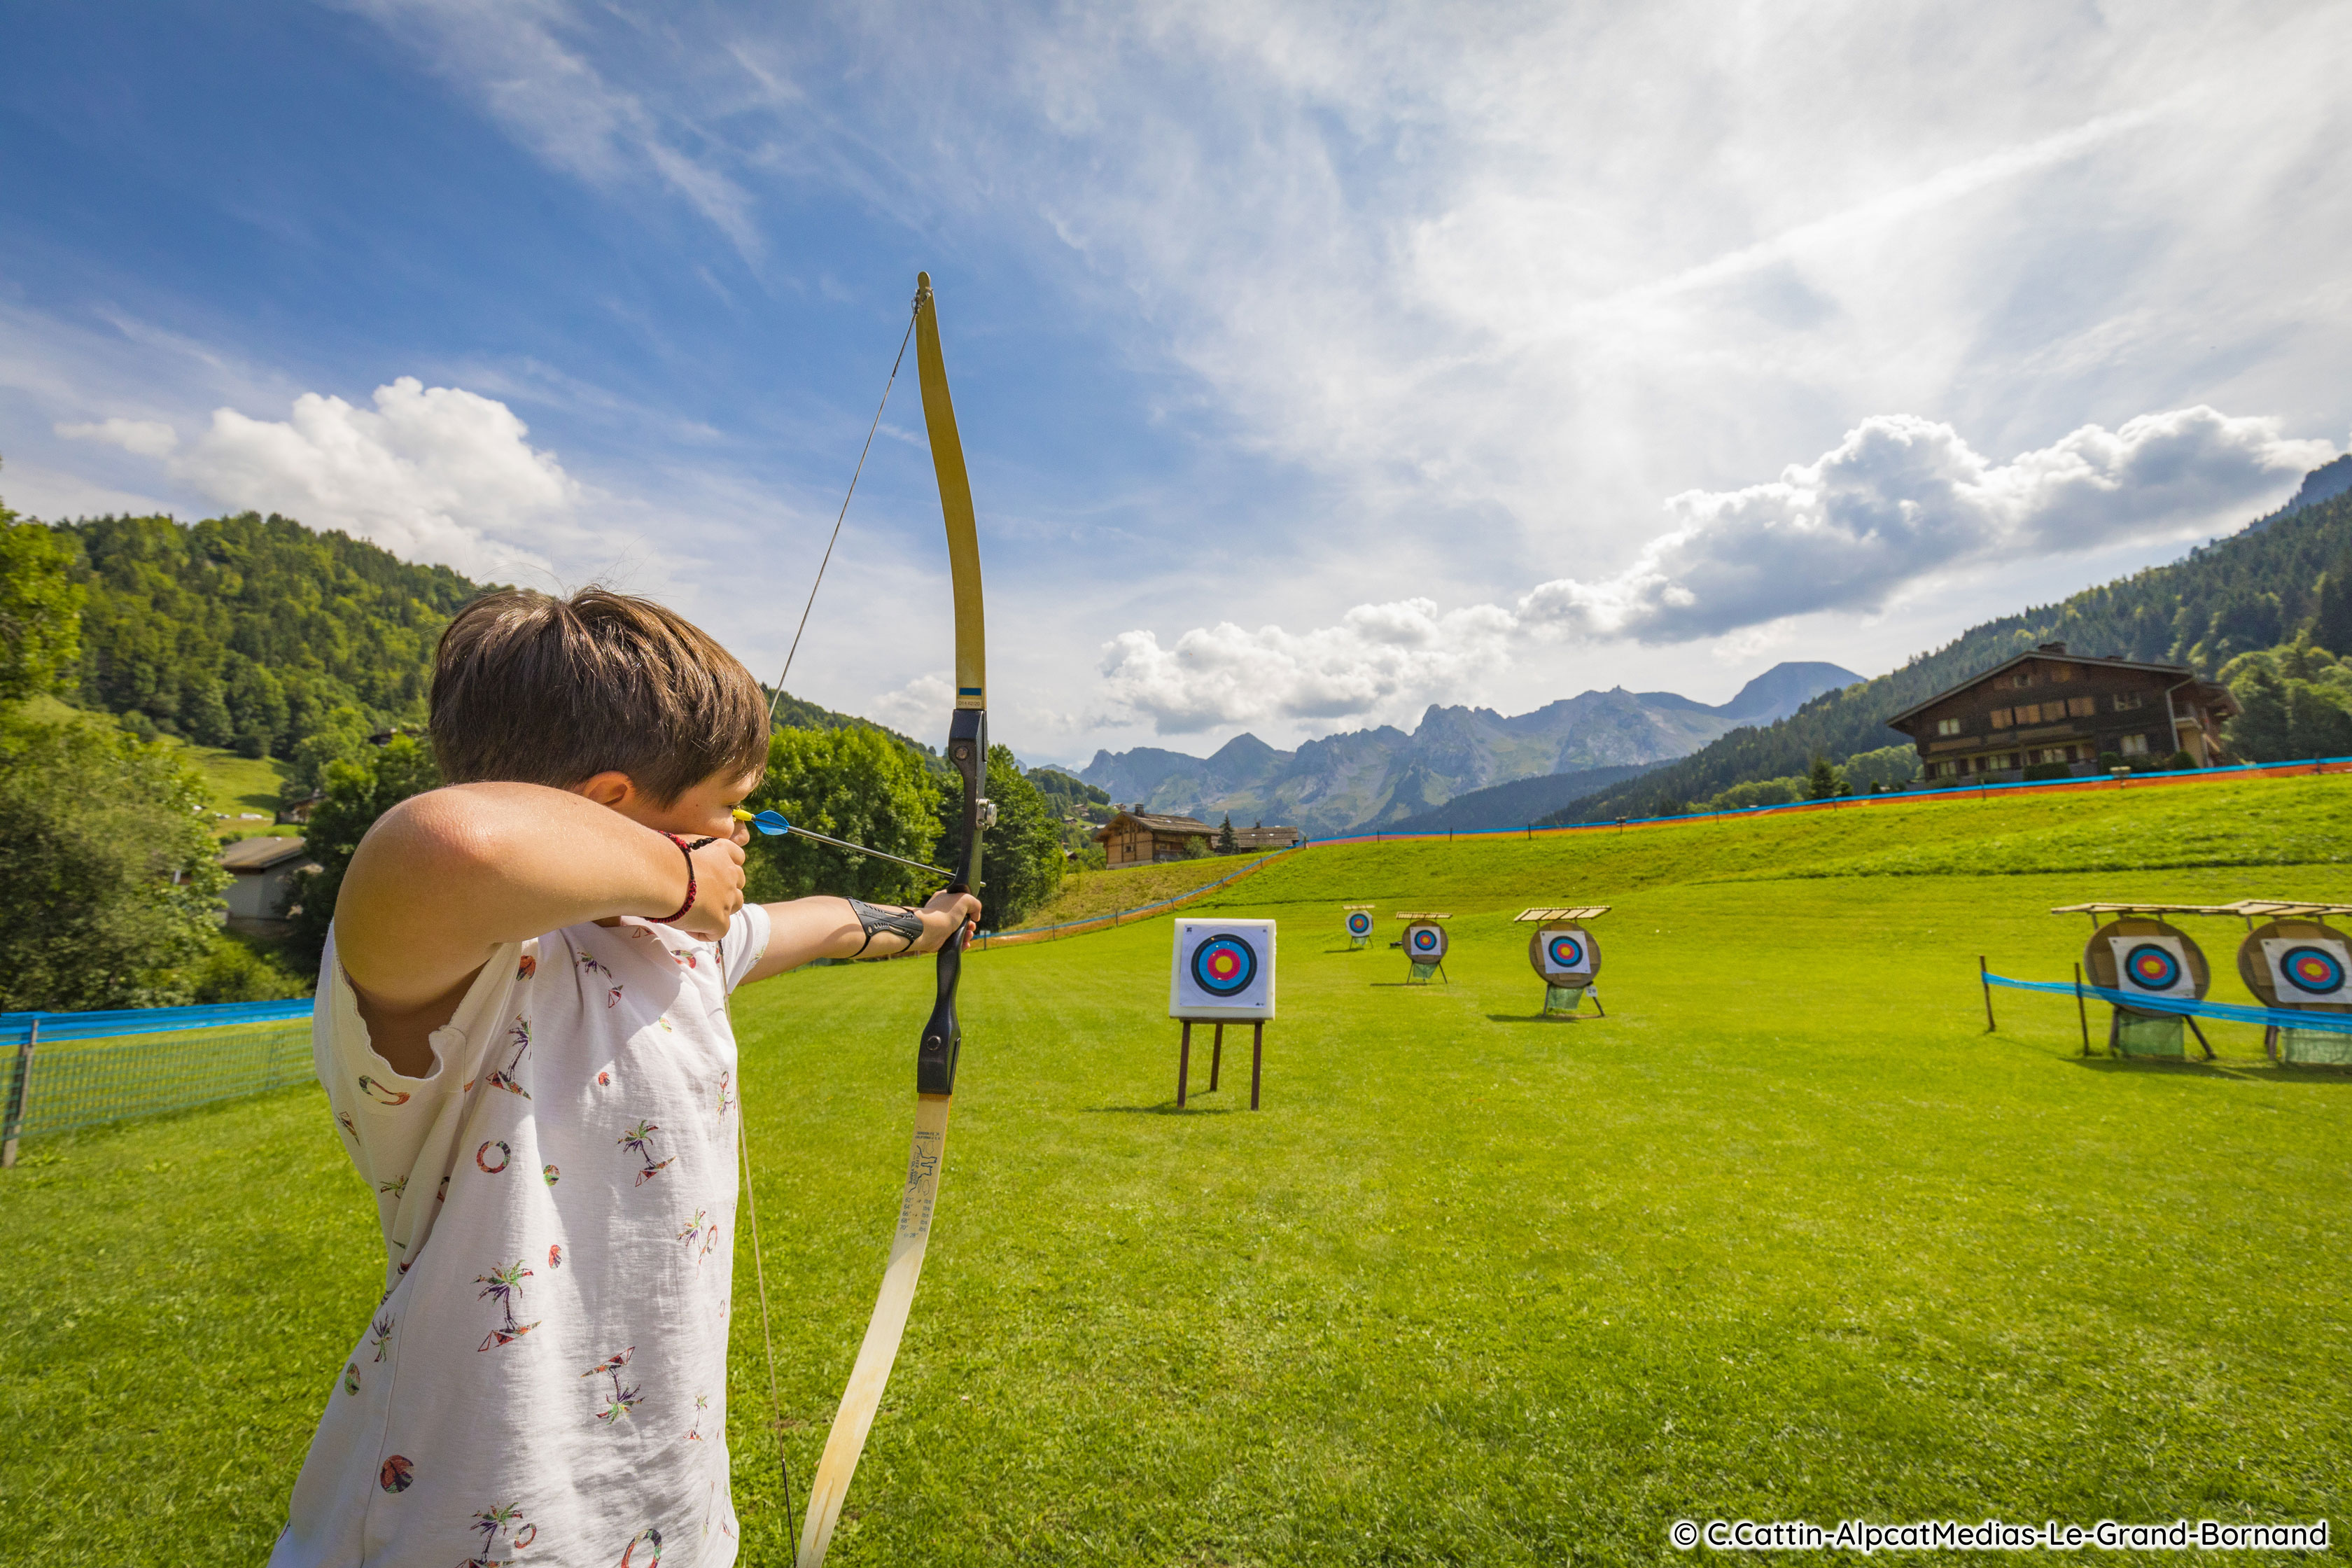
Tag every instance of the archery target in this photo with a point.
(1359, 923)
(1223, 969)
(2152, 966)
(2308, 969)
(1425, 942)
(1565, 955)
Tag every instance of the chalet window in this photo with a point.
(2062, 672)
(2001, 762)
(2127, 701)
(2022, 678)
(2054, 754)
(2001, 717)
(2133, 746)
(1947, 726)
(2030, 713)
(2081, 707)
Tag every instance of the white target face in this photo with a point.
(2153, 967)
(1565, 953)
(2307, 969)
(1425, 941)
(1223, 969)
(1359, 923)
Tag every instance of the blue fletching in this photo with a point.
(771, 823)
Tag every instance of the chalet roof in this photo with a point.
(1156, 822)
(260, 853)
(2055, 653)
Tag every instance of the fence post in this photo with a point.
(17, 1093)
(1987, 983)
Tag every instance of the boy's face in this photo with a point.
(706, 810)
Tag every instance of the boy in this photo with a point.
(521, 1025)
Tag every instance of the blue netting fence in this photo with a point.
(62, 1071)
(2141, 1002)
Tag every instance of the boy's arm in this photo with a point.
(828, 927)
(445, 878)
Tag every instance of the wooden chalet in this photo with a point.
(1143, 837)
(2052, 707)
(1259, 839)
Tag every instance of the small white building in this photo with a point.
(263, 876)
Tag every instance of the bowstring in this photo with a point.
(836, 539)
(759, 1272)
(742, 1126)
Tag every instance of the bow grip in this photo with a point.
(935, 1058)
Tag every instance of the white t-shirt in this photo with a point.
(545, 1379)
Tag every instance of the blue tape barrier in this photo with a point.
(58, 1027)
(2228, 1012)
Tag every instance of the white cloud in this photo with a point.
(1897, 502)
(430, 473)
(146, 438)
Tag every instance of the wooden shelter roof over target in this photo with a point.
(1403, 916)
(1560, 912)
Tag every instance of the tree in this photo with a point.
(1021, 856)
(2331, 623)
(1826, 780)
(358, 792)
(1226, 843)
(40, 610)
(109, 877)
(2263, 731)
(852, 783)
(2316, 725)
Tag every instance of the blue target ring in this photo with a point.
(1425, 941)
(1225, 965)
(2151, 968)
(1566, 952)
(1360, 923)
(2314, 971)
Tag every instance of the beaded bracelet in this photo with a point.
(687, 850)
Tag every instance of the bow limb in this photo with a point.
(942, 1037)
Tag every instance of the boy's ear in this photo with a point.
(611, 788)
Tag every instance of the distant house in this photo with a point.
(263, 875)
(300, 810)
(1143, 837)
(2050, 708)
(1259, 838)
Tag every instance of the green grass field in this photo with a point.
(1787, 1234)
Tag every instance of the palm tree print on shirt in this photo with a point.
(519, 1035)
(506, 1284)
(382, 1331)
(589, 965)
(494, 1521)
(624, 1399)
(702, 1404)
(640, 1138)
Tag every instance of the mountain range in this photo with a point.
(1367, 778)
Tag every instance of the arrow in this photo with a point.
(774, 824)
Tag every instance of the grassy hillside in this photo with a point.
(2247, 592)
(1787, 1236)
(1088, 895)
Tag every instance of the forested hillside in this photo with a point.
(249, 631)
(2246, 592)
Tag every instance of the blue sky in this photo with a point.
(1315, 362)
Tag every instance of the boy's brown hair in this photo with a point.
(554, 691)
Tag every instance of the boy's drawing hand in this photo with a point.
(718, 887)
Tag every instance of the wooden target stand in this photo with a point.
(1217, 1057)
(2287, 922)
(1435, 962)
(2131, 1032)
(1360, 932)
(1562, 1002)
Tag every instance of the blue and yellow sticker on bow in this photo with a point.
(1222, 971)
